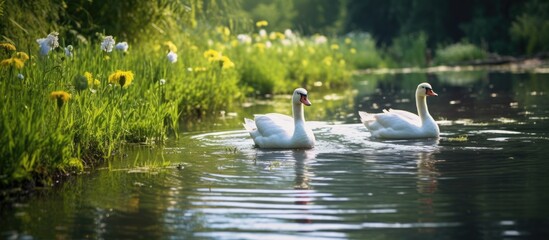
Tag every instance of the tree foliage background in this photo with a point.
(502, 26)
(515, 27)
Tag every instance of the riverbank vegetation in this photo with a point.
(78, 79)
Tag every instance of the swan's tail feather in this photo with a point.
(369, 120)
(249, 124)
(365, 117)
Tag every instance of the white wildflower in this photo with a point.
(263, 33)
(49, 43)
(286, 42)
(172, 57)
(68, 51)
(320, 39)
(162, 81)
(288, 33)
(20, 76)
(244, 38)
(122, 46)
(107, 44)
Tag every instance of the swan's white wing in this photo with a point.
(397, 121)
(391, 118)
(391, 124)
(274, 124)
(414, 118)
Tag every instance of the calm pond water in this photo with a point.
(486, 177)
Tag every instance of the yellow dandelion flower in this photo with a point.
(334, 47)
(212, 55)
(272, 36)
(61, 96)
(96, 83)
(327, 61)
(226, 63)
(353, 51)
(8, 46)
(234, 43)
(22, 55)
(261, 23)
(123, 78)
(12, 62)
(89, 78)
(170, 46)
(277, 35)
(260, 46)
(225, 31)
(348, 41)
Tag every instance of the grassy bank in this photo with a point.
(67, 106)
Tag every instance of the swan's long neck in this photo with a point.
(297, 112)
(422, 110)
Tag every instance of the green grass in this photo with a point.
(45, 135)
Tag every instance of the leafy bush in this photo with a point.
(409, 50)
(459, 53)
(361, 51)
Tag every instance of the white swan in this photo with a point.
(275, 130)
(399, 124)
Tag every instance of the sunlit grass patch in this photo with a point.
(88, 120)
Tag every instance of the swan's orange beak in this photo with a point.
(430, 92)
(304, 100)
